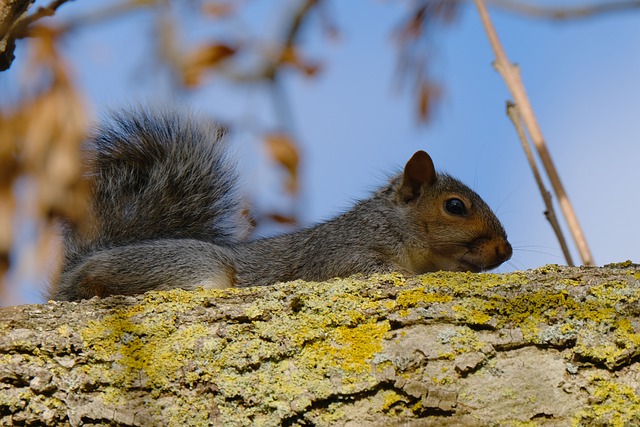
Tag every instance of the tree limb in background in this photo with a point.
(514, 114)
(511, 75)
(564, 13)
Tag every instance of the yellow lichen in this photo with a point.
(518, 423)
(465, 340)
(335, 332)
(350, 347)
(390, 398)
(412, 297)
(624, 264)
(474, 311)
(613, 404)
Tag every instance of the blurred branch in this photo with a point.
(514, 114)
(107, 13)
(511, 75)
(20, 29)
(565, 13)
(16, 24)
(272, 63)
(414, 35)
(287, 51)
(11, 11)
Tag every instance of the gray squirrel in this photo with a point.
(165, 213)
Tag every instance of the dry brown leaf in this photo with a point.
(41, 137)
(203, 59)
(285, 152)
(414, 35)
(7, 208)
(291, 57)
(428, 95)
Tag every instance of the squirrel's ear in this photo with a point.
(419, 173)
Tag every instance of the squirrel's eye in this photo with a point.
(455, 207)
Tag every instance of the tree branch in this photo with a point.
(10, 12)
(21, 27)
(565, 13)
(511, 75)
(445, 349)
(514, 114)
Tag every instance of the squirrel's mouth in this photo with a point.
(486, 255)
(469, 266)
(478, 268)
(474, 268)
(492, 266)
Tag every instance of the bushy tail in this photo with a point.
(158, 175)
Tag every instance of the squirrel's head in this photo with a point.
(452, 228)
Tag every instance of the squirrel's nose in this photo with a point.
(503, 251)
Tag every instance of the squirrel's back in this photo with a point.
(157, 175)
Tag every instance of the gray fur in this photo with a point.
(166, 214)
(154, 175)
(378, 235)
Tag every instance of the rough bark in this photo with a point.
(552, 346)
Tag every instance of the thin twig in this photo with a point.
(511, 76)
(105, 14)
(564, 13)
(514, 114)
(21, 27)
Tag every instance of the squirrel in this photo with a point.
(165, 212)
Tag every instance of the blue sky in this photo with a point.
(355, 126)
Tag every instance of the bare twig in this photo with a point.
(15, 23)
(415, 51)
(514, 114)
(511, 76)
(20, 29)
(564, 13)
(106, 14)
